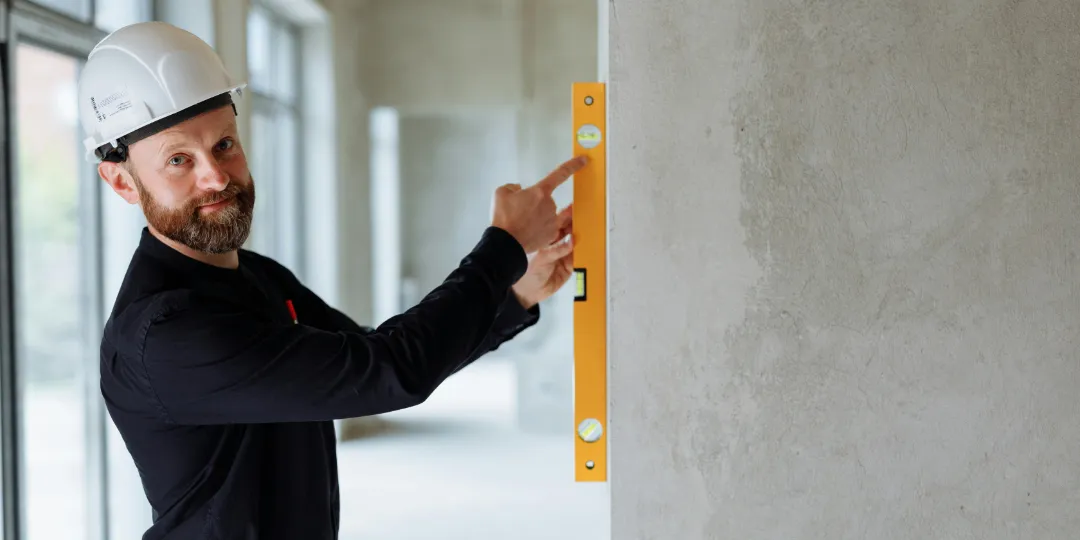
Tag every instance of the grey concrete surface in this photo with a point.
(450, 167)
(425, 55)
(844, 269)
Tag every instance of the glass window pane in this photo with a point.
(111, 15)
(259, 51)
(285, 79)
(78, 9)
(261, 162)
(53, 351)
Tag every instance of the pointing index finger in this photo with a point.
(560, 175)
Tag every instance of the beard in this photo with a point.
(221, 231)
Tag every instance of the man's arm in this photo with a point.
(512, 319)
(212, 363)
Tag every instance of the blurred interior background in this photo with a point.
(377, 131)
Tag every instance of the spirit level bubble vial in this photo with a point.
(590, 287)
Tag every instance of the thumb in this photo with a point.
(560, 249)
(565, 216)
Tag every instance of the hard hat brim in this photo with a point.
(117, 151)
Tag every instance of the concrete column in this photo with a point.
(844, 279)
(350, 31)
(321, 246)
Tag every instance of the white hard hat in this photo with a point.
(145, 78)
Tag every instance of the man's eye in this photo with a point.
(225, 144)
(176, 161)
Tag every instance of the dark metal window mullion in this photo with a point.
(34, 25)
(9, 431)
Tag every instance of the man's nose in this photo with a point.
(211, 176)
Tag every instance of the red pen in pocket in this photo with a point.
(292, 312)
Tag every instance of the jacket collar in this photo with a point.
(153, 247)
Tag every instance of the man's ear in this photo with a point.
(120, 180)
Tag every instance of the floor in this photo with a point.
(457, 468)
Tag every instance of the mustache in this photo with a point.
(232, 190)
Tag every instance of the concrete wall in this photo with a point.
(844, 269)
(482, 89)
(434, 54)
(450, 167)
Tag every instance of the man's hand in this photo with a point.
(529, 214)
(550, 268)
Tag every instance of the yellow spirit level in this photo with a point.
(590, 286)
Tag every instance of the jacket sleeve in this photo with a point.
(511, 320)
(213, 362)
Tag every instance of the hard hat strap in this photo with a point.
(119, 153)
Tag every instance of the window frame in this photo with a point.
(37, 26)
(271, 103)
(89, 20)
(23, 22)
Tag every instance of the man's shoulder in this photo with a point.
(130, 392)
(131, 318)
(149, 290)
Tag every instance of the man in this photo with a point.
(223, 372)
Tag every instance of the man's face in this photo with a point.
(193, 183)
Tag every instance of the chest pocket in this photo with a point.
(272, 299)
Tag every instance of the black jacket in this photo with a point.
(226, 404)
